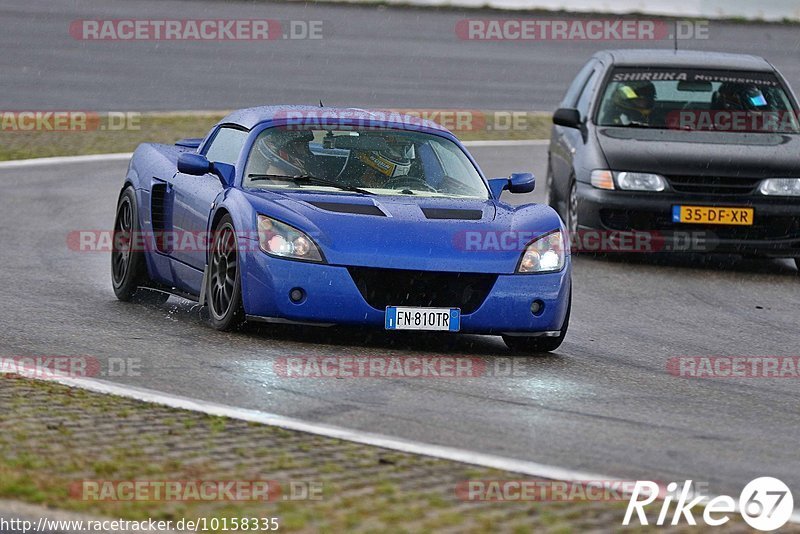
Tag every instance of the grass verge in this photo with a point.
(103, 134)
(53, 437)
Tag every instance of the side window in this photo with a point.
(585, 100)
(226, 145)
(578, 83)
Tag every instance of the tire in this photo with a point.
(224, 281)
(539, 344)
(571, 219)
(129, 274)
(549, 198)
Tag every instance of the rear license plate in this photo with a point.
(711, 215)
(403, 318)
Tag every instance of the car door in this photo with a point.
(195, 196)
(566, 143)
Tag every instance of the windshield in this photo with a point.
(377, 161)
(685, 99)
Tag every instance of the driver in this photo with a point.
(633, 103)
(738, 97)
(729, 98)
(381, 167)
(287, 151)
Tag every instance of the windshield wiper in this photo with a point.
(309, 179)
(636, 124)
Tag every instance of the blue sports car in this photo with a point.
(328, 216)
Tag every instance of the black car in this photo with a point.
(698, 150)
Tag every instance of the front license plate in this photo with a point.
(402, 318)
(709, 215)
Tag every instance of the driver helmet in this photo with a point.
(738, 97)
(637, 96)
(389, 161)
(730, 97)
(290, 146)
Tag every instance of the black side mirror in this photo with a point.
(198, 165)
(193, 164)
(569, 117)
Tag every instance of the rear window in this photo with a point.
(692, 99)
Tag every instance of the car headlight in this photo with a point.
(545, 255)
(627, 181)
(640, 181)
(280, 239)
(788, 187)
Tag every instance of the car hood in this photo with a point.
(693, 153)
(404, 232)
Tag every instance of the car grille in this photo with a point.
(396, 287)
(713, 185)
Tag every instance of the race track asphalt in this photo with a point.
(604, 402)
(368, 57)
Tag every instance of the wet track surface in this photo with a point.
(604, 402)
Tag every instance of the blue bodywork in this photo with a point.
(403, 238)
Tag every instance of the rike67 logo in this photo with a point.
(765, 504)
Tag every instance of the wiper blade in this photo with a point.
(637, 124)
(309, 179)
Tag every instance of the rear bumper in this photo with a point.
(775, 231)
(332, 297)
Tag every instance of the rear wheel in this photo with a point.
(128, 264)
(224, 287)
(538, 344)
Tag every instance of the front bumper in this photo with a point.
(332, 297)
(775, 231)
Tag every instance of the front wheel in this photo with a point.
(539, 344)
(572, 208)
(224, 286)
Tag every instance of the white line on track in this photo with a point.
(35, 162)
(121, 156)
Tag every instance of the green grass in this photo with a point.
(360, 490)
(170, 127)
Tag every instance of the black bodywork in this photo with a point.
(708, 168)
